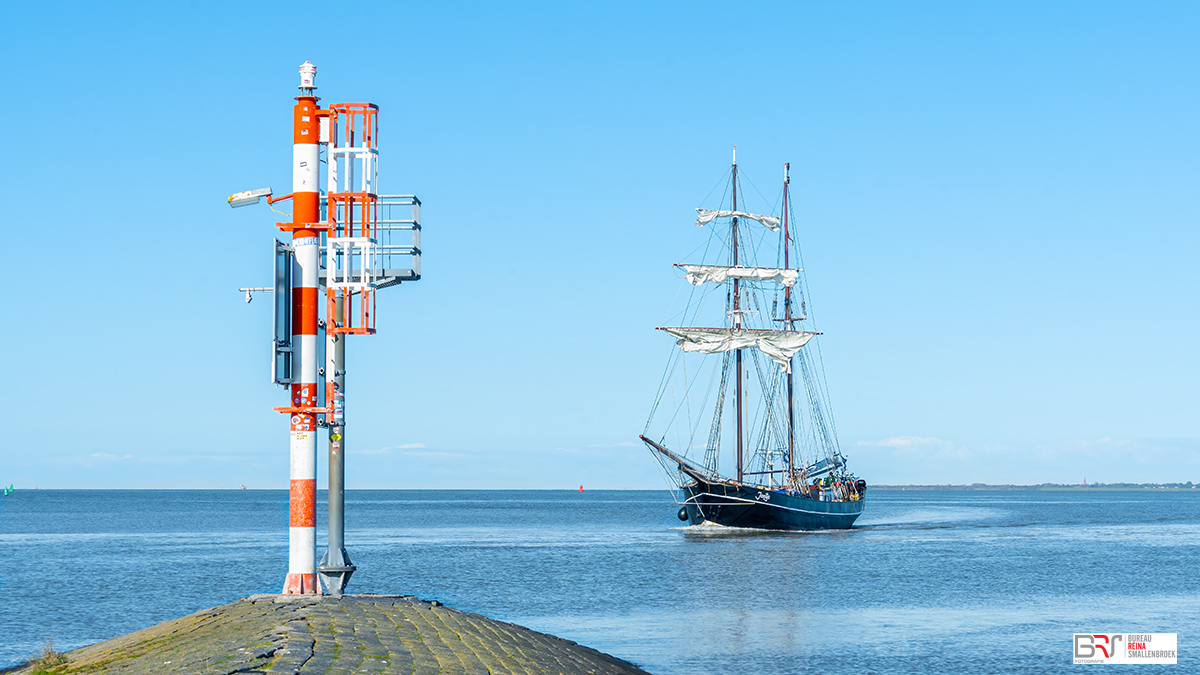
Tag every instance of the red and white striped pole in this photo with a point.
(306, 210)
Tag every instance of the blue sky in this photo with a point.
(997, 205)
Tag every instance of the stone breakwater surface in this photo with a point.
(350, 634)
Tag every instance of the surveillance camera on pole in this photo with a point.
(248, 197)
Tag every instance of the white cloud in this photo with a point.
(926, 448)
(909, 442)
(926, 460)
(1105, 442)
(107, 457)
(388, 450)
(589, 451)
(622, 444)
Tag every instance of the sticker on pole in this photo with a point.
(1124, 648)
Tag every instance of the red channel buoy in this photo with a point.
(581, 488)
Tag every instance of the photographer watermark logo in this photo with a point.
(1124, 647)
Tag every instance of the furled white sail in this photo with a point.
(780, 345)
(698, 274)
(708, 215)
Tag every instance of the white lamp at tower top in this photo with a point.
(308, 74)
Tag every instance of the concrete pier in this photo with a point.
(351, 634)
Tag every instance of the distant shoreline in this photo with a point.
(1047, 487)
(1110, 487)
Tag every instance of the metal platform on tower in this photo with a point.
(397, 247)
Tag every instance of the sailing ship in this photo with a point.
(747, 330)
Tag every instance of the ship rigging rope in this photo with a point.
(683, 279)
(687, 399)
(823, 396)
(820, 429)
(687, 392)
(692, 431)
(703, 290)
(828, 403)
(771, 434)
(723, 179)
(672, 363)
(694, 428)
(667, 318)
(705, 293)
(757, 239)
(742, 177)
(695, 306)
(713, 447)
(673, 360)
(662, 387)
(671, 476)
(771, 395)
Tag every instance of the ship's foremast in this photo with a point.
(793, 478)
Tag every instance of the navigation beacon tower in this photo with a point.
(350, 241)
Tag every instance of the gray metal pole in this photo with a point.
(335, 568)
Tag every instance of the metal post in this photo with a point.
(335, 568)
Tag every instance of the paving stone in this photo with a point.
(351, 635)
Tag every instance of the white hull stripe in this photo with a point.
(738, 501)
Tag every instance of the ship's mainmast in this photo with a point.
(737, 325)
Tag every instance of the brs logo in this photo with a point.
(1087, 646)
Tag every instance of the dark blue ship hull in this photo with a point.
(736, 505)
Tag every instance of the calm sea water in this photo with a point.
(927, 582)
